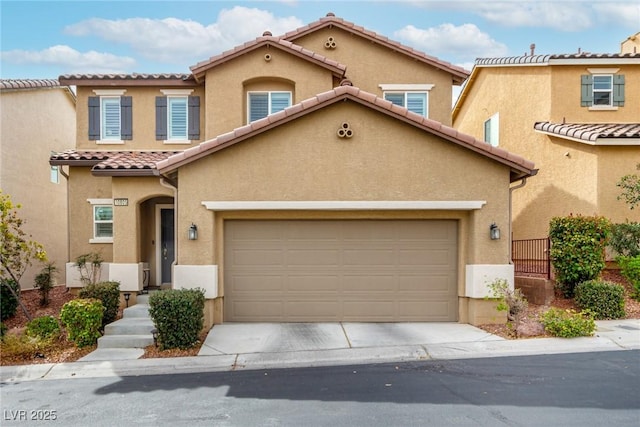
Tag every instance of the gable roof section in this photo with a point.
(593, 133)
(112, 163)
(520, 167)
(201, 68)
(459, 74)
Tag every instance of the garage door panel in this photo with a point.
(334, 270)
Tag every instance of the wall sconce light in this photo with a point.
(154, 332)
(494, 231)
(193, 232)
(127, 295)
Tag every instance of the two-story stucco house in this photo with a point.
(312, 176)
(37, 118)
(577, 116)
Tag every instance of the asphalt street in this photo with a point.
(578, 389)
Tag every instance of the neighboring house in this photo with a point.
(289, 192)
(577, 116)
(38, 117)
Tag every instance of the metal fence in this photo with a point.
(531, 257)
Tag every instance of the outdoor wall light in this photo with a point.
(154, 332)
(193, 232)
(127, 295)
(494, 231)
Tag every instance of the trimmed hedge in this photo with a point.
(178, 315)
(109, 294)
(630, 269)
(8, 303)
(82, 318)
(604, 299)
(577, 249)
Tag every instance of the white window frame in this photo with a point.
(406, 90)
(177, 94)
(54, 174)
(100, 203)
(269, 101)
(493, 136)
(602, 72)
(600, 91)
(109, 94)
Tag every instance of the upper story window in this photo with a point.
(602, 89)
(492, 130)
(413, 97)
(177, 116)
(110, 117)
(261, 104)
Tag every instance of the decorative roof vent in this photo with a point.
(331, 14)
(330, 43)
(267, 34)
(346, 82)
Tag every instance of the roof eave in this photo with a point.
(123, 172)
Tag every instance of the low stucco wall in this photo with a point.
(537, 290)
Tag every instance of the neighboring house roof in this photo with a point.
(128, 79)
(560, 59)
(267, 40)
(112, 163)
(520, 167)
(28, 83)
(593, 133)
(459, 74)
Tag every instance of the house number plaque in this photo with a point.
(121, 202)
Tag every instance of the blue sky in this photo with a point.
(44, 39)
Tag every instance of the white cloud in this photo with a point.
(177, 41)
(70, 60)
(466, 42)
(564, 16)
(621, 14)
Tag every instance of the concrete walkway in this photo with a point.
(273, 346)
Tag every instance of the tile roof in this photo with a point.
(28, 83)
(549, 59)
(594, 133)
(113, 163)
(520, 167)
(268, 40)
(123, 79)
(459, 74)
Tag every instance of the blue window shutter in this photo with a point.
(161, 118)
(94, 118)
(618, 90)
(126, 117)
(586, 98)
(194, 117)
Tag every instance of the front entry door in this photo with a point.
(167, 244)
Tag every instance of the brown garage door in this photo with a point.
(351, 270)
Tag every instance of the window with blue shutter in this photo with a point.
(618, 90)
(261, 104)
(110, 118)
(194, 117)
(177, 118)
(602, 90)
(94, 118)
(161, 118)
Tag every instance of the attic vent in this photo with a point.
(345, 131)
(330, 43)
(267, 57)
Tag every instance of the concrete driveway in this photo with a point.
(247, 338)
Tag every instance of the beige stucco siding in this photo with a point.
(33, 123)
(362, 56)
(613, 164)
(385, 160)
(226, 84)
(143, 119)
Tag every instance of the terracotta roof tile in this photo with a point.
(28, 83)
(520, 167)
(549, 59)
(112, 162)
(128, 79)
(201, 67)
(459, 73)
(592, 133)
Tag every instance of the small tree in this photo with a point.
(16, 249)
(510, 300)
(630, 185)
(90, 266)
(45, 281)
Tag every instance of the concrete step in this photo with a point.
(125, 341)
(129, 326)
(142, 299)
(136, 311)
(110, 354)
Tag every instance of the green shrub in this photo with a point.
(109, 294)
(510, 300)
(23, 346)
(178, 315)
(8, 303)
(44, 282)
(568, 323)
(604, 299)
(625, 239)
(82, 318)
(3, 329)
(577, 249)
(630, 269)
(44, 327)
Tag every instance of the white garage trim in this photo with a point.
(340, 205)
